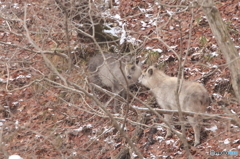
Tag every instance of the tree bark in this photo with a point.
(224, 41)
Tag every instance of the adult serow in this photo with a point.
(115, 72)
(193, 96)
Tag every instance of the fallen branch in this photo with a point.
(204, 115)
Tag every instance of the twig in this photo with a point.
(111, 117)
(46, 60)
(204, 115)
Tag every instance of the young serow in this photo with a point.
(115, 72)
(193, 96)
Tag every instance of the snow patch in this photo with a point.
(2, 80)
(29, 76)
(117, 16)
(170, 12)
(212, 66)
(219, 80)
(233, 111)
(214, 54)
(134, 155)
(1, 123)
(124, 34)
(159, 128)
(82, 127)
(94, 138)
(15, 5)
(159, 138)
(74, 153)
(197, 53)
(117, 144)
(14, 103)
(213, 128)
(15, 157)
(152, 156)
(109, 140)
(163, 156)
(132, 40)
(173, 47)
(214, 46)
(145, 10)
(226, 141)
(111, 30)
(16, 124)
(106, 129)
(192, 71)
(169, 141)
(156, 50)
(143, 24)
(178, 153)
(217, 96)
(37, 136)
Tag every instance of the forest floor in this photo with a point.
(41, 121)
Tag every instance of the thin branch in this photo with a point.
(53, 52)
(67, 34)
(114, 122)
(47, 61)
(204, 115)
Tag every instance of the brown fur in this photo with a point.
(193, 96)
(113, 72)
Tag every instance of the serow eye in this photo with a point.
(133, 68)
(129, 77)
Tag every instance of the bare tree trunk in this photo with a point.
(224, 41)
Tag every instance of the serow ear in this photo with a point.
(139, 63)
(132, 60)
(137, 60)
(126, 59)
(150, 72)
